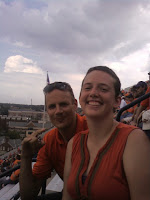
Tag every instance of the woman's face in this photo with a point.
(97, 97)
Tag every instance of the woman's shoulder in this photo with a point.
(80, 135)
(73, 143)
(125, 128)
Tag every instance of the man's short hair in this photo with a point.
(141, 84)
(63, 86)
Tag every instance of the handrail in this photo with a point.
(9, 171)
(131, 104)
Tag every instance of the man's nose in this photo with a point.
(58, 109)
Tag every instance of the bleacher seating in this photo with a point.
(56, 184)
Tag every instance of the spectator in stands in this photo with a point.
(61, 107)
(146, 122)
(145, 105)
(106, 161)
(141, 88)
(127, 114)
(1, 161)
(17, 160)
(123, 102)
(138, 90)
(14, 178)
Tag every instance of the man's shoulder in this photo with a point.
(51, 134)
(81, 117)
(81, 134)
(81, 123)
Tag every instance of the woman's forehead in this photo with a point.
(98, 77)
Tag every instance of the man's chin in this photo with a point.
(60, 125)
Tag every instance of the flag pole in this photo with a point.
(47, 83)
(44, 112)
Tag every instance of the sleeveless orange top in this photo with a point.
(106, 179)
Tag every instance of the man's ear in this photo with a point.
(75, 104)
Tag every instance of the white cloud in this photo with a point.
(20, 64)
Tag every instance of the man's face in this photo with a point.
(61, 108)
(140, 91)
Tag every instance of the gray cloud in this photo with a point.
(67, 37)
(86, 28)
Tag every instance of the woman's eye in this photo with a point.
(104, 90)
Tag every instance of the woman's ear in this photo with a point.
(118, 101)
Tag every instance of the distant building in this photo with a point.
(27, 127)
(27, 114)
(7, 144)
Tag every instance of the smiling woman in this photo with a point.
(102, 163)
(98, 94)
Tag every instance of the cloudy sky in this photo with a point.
(65, 38)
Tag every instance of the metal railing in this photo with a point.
(131, 105)
(9, 172)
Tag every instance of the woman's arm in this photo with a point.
(67, 169)
(136, 160)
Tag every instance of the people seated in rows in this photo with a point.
(17, 160)
(136, 91)
(6, 163)
(144, 106)
(106, 161)
(13, 179)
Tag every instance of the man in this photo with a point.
(141, 88)
(144, 105)
(61, 107)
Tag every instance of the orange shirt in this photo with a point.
(130, 110)
(52, 154)
(15, 175)
(146, 102)
(106, 179)
(1, 161)
(16, 162)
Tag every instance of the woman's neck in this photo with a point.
(101, 129)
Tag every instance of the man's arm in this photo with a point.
(29, 185)
(138, 111)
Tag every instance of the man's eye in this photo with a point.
(63, 104)
(51, 107)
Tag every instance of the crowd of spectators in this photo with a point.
(139, 114)
(9, 162)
